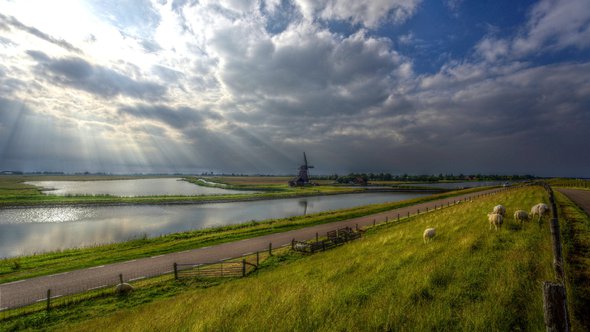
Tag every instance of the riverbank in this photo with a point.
(12, 269)
(14, 193)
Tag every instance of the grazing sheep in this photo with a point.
(429, 234)
(500, 209)
(521, 216)
(495, 219)
(540, 210)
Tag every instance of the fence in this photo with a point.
(91, 287)
(554, 293)
(222, 269)
(333, 238)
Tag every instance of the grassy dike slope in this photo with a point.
(468, 278)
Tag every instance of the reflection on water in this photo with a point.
(32, 230)
(129, 188)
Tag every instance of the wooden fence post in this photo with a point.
(408, 214)
(293, 244)
(175, 271)
(243, 267)
(373, 222)
(48, 300)
(398, 217)
(418, 211)
(270, 249)
(257, 259)
(555, 307)
(120, 278)
(317, 236)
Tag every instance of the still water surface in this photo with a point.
(33, 230)
(129, 188)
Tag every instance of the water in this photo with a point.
(129, 188)
(34, 230)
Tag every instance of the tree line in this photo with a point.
(421, 178)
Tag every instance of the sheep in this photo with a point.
(521, 216)
(495, 219)
(540, 210)
(429, 234)
(500, 209)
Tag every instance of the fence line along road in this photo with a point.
(23, 292)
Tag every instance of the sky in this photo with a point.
(236, 86)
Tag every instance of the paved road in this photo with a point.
(22, 292)
(580, 197)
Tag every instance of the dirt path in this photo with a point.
(23, 292)
(580, 197)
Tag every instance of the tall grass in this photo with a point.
(468, 278)
(576, 243)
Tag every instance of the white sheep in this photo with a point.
(500, 209)
(521, 216)
(540, 210)
(495, 219)
(429, 234)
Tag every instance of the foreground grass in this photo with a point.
(576, 243)
(12, 269)
(468, 278)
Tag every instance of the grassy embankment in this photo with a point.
(14, 192)
(576, 243)
(70, 259)
(468, 278)
(570, 183)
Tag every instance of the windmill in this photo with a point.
(302, 178)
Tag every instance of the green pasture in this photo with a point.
(468, 278)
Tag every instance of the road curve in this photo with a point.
(580, 197)
(27, 291)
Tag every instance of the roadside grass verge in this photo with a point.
(570, 183)
(23, 267)
(576, 243)
(468, 278)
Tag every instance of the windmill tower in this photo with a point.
(303, 177)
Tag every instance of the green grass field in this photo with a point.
(576, 243)
(16, 268)
(468, 278)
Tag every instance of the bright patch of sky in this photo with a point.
(404, 86)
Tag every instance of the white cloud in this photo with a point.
(369, 14)
(555, 25)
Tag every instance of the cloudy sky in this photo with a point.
(402, 86)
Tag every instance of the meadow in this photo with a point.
(16, 268)
(468, 278)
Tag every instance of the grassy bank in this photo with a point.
(48, 263)
(468, 278)
(14, 193)
(576, 243)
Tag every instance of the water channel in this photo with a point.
(26, 231)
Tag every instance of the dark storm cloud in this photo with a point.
(79, 74)
(9, 21)
(179, 117)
